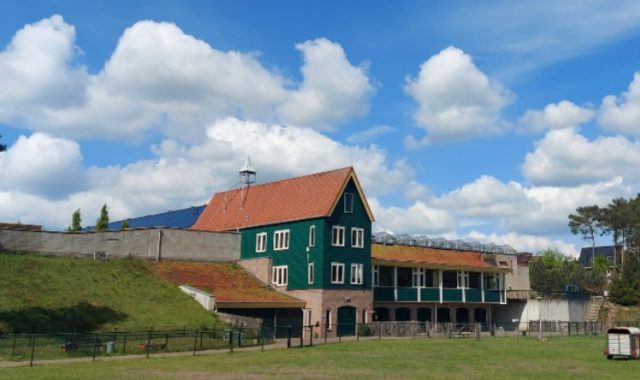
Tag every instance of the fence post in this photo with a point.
(230, 340)
(95, 346)
(379, 331)
(427, 328)
(338, 332)
(289, 336)
(33, 348)
(311, 336)
(195, 342)
(357, 332)
(13, 349)
(148, 345)
(240, 337)
(477, 331)
(326, 331)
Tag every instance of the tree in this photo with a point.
(125, 224)
(2, 146)
(76, 222)
(587, 222)
(103, 221)
(625, 287)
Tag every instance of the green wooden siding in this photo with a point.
(383, 294)
(452, 295)
(408, 294)
(492, 296)
(473, 295)
(348, 254)
(322, 254)
(430, 294)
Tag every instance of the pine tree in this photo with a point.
(76, 222)
(103, 221)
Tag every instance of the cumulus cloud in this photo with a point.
(38, 167)
(487, 197)
(456, 101)
(159, 78)
(563, 114)
(332, 90)
(621, 114)
(418, 218)
(42, 165)
(564, 157)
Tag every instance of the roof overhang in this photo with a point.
(427, 265)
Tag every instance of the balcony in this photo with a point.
(410, 294)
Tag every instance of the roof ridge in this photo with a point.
(290, 179)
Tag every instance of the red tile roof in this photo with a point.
(229, 283)
(432, 258)
(299, 198)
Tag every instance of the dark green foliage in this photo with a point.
(125, 224)
(103, 221)
(76, 222)
(553, 271)
(586, 222)
(2, 147)
(625, 287)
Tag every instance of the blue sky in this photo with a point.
(486, 121)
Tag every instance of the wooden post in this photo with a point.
(33, 348)
(289, 336)
(195, 342)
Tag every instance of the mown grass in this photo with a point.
(489, 358)
(58, 294)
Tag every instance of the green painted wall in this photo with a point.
(322, 254)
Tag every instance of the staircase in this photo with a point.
(594, 308)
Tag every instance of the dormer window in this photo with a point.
(348, 203)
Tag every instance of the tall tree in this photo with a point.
(586, 222)
(103, 221)
(76, 222)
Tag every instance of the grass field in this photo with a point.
(490, 358)
(57, 294)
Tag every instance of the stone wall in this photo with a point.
(147, 243)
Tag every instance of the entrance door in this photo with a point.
(346, 320)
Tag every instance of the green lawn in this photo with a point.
(57, 294)
(489, 358)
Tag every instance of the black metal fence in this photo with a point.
(30, 347)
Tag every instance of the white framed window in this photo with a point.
(261, 242)
(310, 273)
(312, 236)
(348, 203)
(376, 275)
(463, 279)
(418, 277)
(357, 237)
(337, 236)
(356, 274)
(279, 275)
(281, 240)
(337, 273)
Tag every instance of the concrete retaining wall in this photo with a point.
(547, 309)
(151, 244)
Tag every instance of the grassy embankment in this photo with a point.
(490, 358)
(61, 294)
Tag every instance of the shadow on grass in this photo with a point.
(82, 317)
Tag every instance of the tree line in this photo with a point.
(620, 220)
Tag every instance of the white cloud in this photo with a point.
(332, 90)
(418, 218)
(564, 157)
(487, 197)
(621, 114)
(456, 100)
(370, 134)
(160, 78)
(35, 71)
(45, 172)
(526, 243)
(563, 114)
(42, 165)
